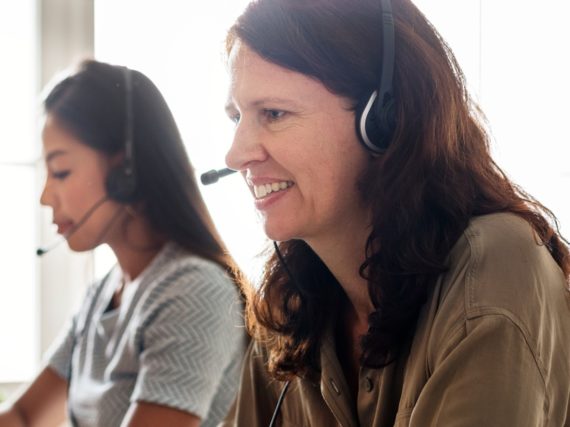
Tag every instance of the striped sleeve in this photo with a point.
(189, 336)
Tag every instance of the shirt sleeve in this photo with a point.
(487, 376)
(190, 336)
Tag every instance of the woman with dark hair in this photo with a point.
(157, 341)
(413, 283)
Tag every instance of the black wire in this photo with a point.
(286, 386)
(279, 402)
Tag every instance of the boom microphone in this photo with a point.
(45, 249)
(214, 175)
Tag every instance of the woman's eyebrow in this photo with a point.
(53, 154)
(280, 102)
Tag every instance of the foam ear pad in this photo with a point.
(375, 125)
(121, 185)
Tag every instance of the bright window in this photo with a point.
(18, 152)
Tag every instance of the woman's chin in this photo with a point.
(279, 234)
(80, 246)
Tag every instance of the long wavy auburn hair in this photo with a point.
(436, 175)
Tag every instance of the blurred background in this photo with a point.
(513, 52)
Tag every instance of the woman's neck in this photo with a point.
(137, 247)
(343, 254)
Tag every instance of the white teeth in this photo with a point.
(261, 191)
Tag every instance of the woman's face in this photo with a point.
(75, 185)
(295, 144)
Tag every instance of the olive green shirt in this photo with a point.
(492, 348)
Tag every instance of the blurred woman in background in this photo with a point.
(157, 341)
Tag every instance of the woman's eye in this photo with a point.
(60, 175)
(273, 115)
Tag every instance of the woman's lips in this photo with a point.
(63, 227)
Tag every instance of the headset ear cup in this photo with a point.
(375, 125)
(121, 185)
(386, 123)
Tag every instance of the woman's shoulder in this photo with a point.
(178, 277)
(176, 264)
(503, 232)
(502, 285)
(508, 264)
(499, 267)
(187, 287)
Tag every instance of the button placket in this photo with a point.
(368, 384)
(334, 386)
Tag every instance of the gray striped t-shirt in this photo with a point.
(175, 340)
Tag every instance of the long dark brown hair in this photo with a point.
(436, 175)
(90, 103)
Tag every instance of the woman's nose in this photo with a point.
(47, 198)
(247, 148)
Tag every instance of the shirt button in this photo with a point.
(334, 386)
(368, 384)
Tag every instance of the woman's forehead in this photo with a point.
(254, 80)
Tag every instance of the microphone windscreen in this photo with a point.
(209, 177)
(212, 176)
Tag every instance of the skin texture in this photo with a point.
(290, 128)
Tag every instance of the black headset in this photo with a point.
(375, 120)
(121, 183)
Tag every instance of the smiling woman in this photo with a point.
(413, 283)
(283, 124)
